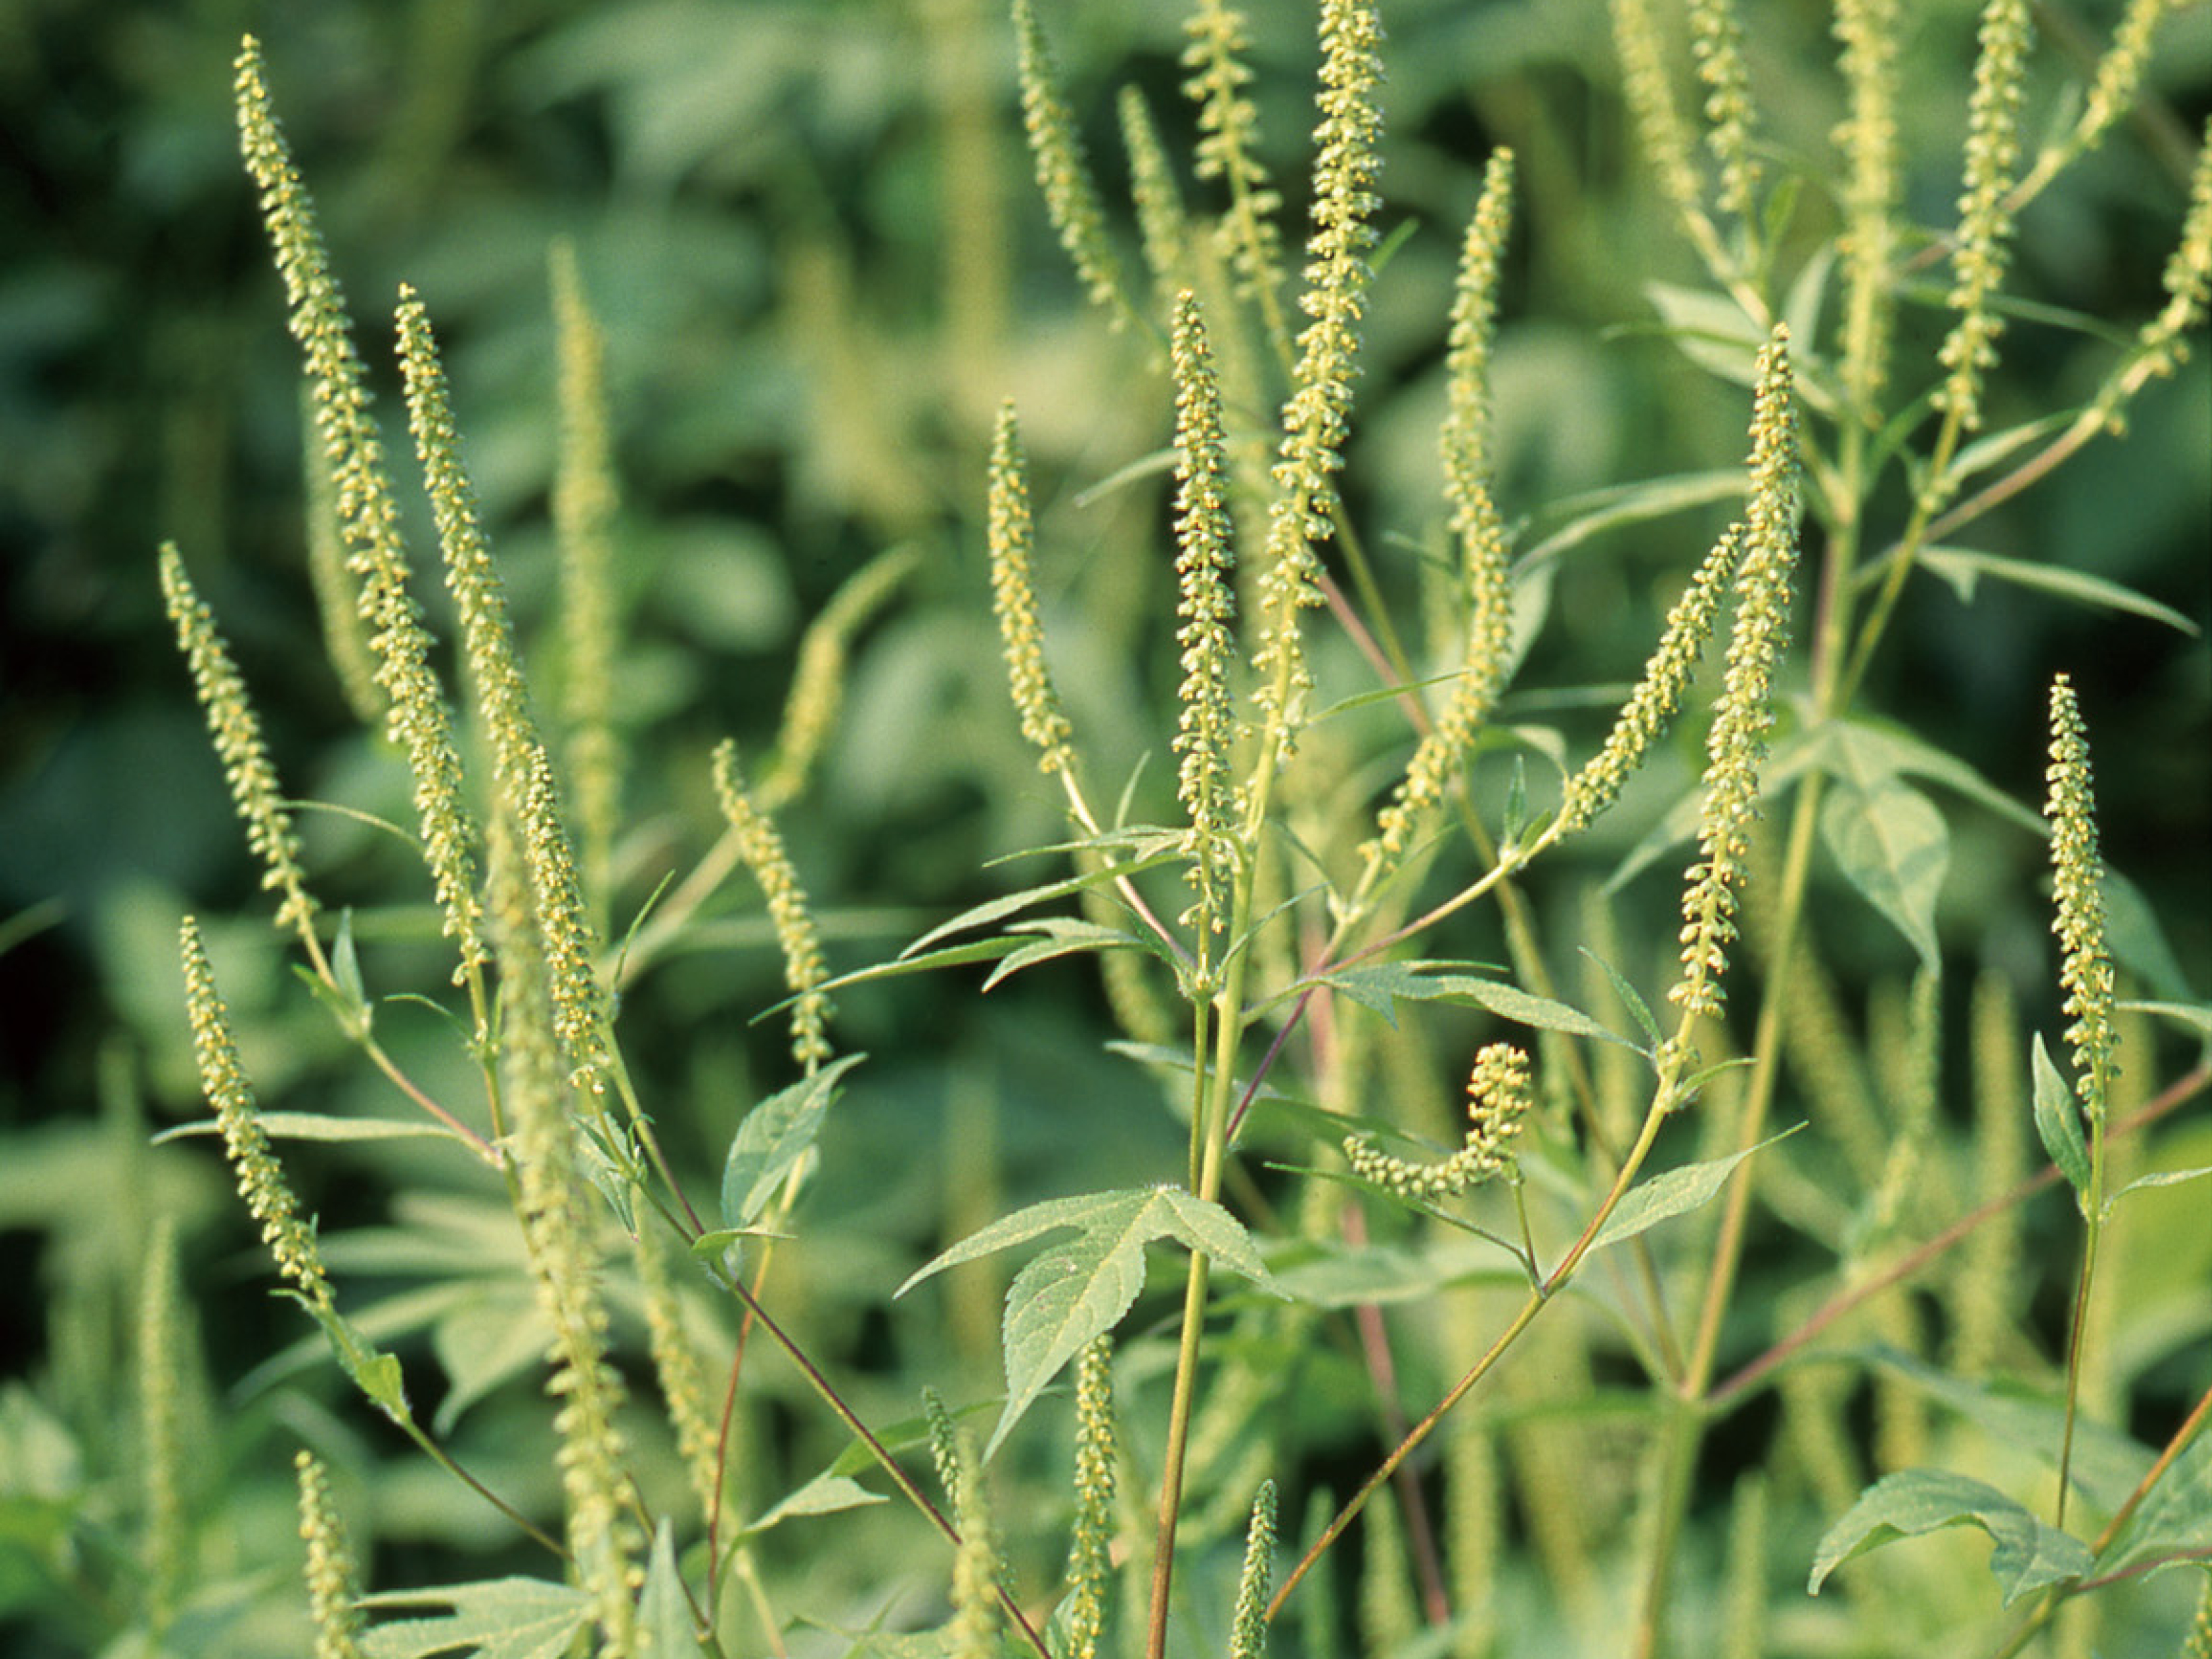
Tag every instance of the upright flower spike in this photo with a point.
(762, 849)
(1870, 33)
(1159, 206)
(584, 501)
(416, 717)
(2077, 874)
(1013, 597)
(975, 1630)
(1737, 742)
(1063, 170)
(332, 1572)
(1985, 218)
(1206, 731)
(818, 682)
(1089, 1558)
(2162, 346)
(564, 1259)
(1660, 127)
(1464, 449)
(1247, 1626)
(259, 1177)
(239, 744)
(162, 1454)
(691, 1408)
(2119, 71)
(1228, 128)
(520, 765)
(1317, 419)
(1716, 43)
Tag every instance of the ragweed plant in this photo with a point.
(1339, 834)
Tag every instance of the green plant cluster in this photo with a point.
(1490, 1150)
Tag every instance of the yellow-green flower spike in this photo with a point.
(1063, 170)
(584, 503)
(1985, 215)
(1228, 142)
(161, 1446)
(762, 849)
(675, 1366)
(564, 1259)
(1497, 1100)
(521, 766)
(345, 635)
(1248, 1626)
(1658, 695)
(333, 1573)
(237, 743)
(1648, 88)
(416, 715)
(1089, 1558)
(1870, 33)
(1159, 206)
(818, 682)
(2119, 71)
(1316, 417)
(1464, 446)
(1206, 733)
(1013, 598)
(975, 1630)
(2160, 348)
(2077, 872)
(1716, 43)
(260, 1177)
(1737, 742)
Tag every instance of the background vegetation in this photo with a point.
(810, 231)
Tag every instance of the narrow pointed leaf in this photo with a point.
(1014, 903)
(2059, 1119)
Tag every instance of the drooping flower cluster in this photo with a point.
(1497, 1100)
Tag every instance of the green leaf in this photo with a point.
(1860, 751)
(952, 956)
(492, 1618)
(775, 1135)
(1675, 1192)
(1381, 986)
(1013, 903)
(318, 1126)
(2197, 1016)
(375, 1372)
(1079, 1290)
(826, 1494)
(2174, 1516)
(1063, 936)
(2163, 1178)
(2029, 1555)
(1601, 510)
(2105, 1466)
(1639, 1010)
(664, 1612)
(2137, 940)
(1892, 844)
(1963, 567)
(2059, 1119)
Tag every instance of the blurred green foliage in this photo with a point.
(810, 233)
